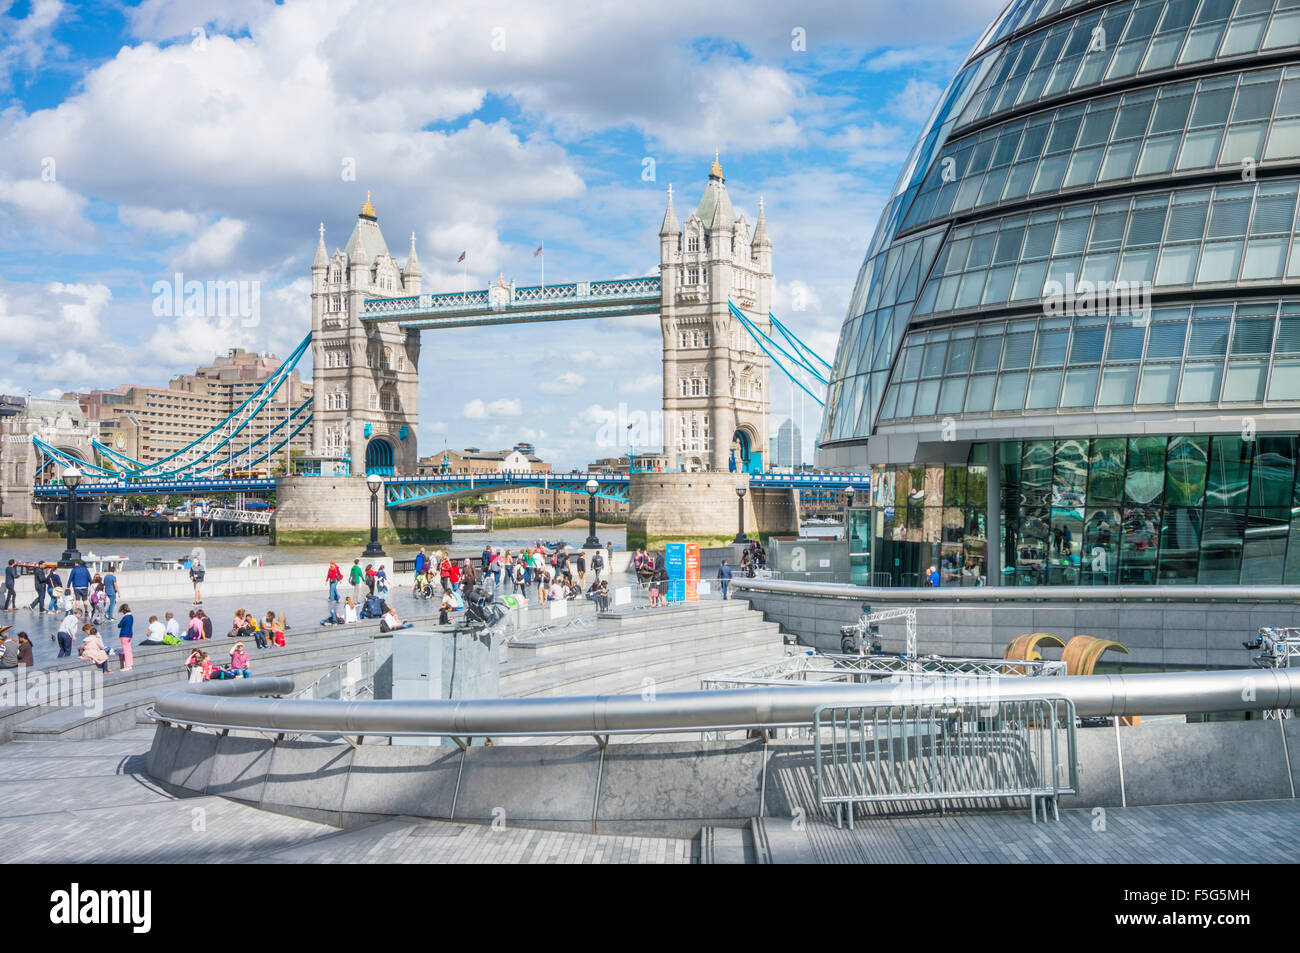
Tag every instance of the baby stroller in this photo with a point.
(98, 610)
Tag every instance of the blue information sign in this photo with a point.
(675, 563)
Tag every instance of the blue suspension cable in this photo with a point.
(794, 339)
(746, 324)
(800, 362)
(279, 377)
(260, 440)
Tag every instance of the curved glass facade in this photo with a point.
(1091, 262)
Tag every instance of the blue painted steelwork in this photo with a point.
(569, 302)
(379, 456)
(248, 464)
(418, 490)
(262, 395)
(56, 491)
(53, 453)
(759, 337)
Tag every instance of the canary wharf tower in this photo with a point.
(1072, 354)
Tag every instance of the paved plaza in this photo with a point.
(91, 802)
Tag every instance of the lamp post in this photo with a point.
(848, 505)
(71, 477)
(592, 542)
(374, 482)
(740, 516)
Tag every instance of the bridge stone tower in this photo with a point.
(366, 377)
(716, 398)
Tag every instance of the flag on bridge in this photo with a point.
(461, 258)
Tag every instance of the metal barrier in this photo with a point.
(346, 681)
(1011, 594)
(818, 667)
(946, 751)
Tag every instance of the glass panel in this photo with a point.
(1200, 383)
(1139, 545)
(1272, 472)
(1185, 470)
(1044, 388)
(1106, 470)
(1221, 542)
(1080, 387)
(1036, 473)
(1159, 384)
(1227, 479)
(1180, 544)
(1145, 479)
(1264, 547)
(1100, 546)
(1118, 386)
(1245, 381)
(1011, 391)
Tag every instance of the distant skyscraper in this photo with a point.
(787, 445)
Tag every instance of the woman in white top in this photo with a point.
(349, 610)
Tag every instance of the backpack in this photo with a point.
(171, 640)
(598, 561)
(279, 639)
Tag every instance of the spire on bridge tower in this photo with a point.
(368, 210)
(670, 226)
(715, 171)
(321, 260)
(412, 262)
(761, 239)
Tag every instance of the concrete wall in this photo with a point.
(672, 787)
(702, 508)
(1177, 634)
(336, 511)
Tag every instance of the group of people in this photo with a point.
(201, 668)
(548, 573)
(95, 594)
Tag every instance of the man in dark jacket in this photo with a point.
(41, 580)
(11, 581)
(724, 576)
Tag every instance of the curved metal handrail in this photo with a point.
(786, 706)
(870, 594)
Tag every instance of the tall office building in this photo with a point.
(1072, 355)
(787, 445)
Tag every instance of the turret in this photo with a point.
(412, 276)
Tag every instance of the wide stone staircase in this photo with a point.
(631, 650)
(123, 696)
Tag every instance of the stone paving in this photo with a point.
(1227, 832)
(90, 802)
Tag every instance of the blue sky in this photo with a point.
(139, 140)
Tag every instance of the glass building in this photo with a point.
(1072, 353)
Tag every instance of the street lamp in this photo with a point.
(592, 542)
(848, 505)
(740, 515)
(71, 477)
(374, 482)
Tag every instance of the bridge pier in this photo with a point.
(701, 508)
(335, 511)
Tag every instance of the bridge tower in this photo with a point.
(366, 377)
(716, 397)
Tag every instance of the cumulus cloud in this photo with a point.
(165, 222)
(477, 410)
(916, 100)
(566, 383)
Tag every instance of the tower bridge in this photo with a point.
(712, 295)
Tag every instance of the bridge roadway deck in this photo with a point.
(90, 802)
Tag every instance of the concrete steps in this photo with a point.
(673, 647)
(308, 654)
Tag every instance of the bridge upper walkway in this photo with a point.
(506, 304)
(406, 491)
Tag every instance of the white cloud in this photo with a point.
(38, 205)
(477, 410)
(214, 248)
(645, 384)
(172, 222)
(566, 383)
(437, 426)
(916, 100)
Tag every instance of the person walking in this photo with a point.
(54, 586)
(598, 563)
(358, 578)
(724, 577)
(196, 578)
(79, 581)
(111, 591)
(581, 562)
(333, 576)
(41, 580)
(125, 632)
(11, 581)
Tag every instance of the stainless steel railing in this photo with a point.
(830, 667)
(945, 751)
(1006, 594)
(748, 708)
